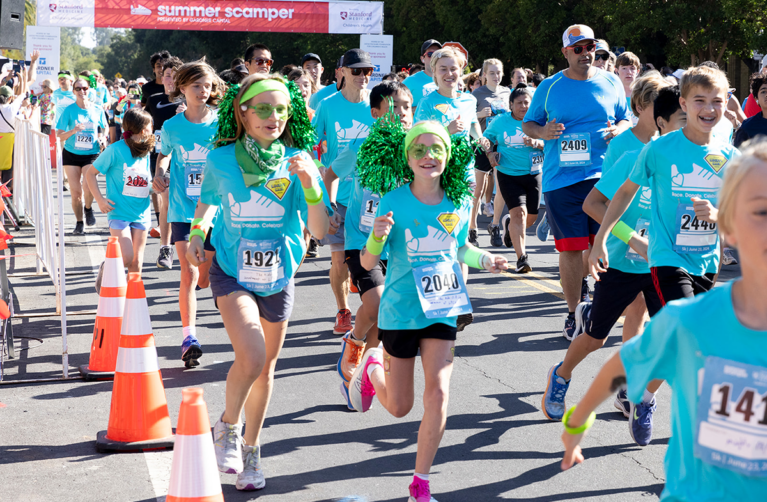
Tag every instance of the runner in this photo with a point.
(126, 167)
(82, 128)
(185, 141)
(63, 96)
(602, 54)
(267, 189)
(715, 417)
(329, 90)
(342, 118)
(102, 93)
(423, 225)
(305, 83)
(518, 163)
(575, 133)
(417, 82)
(258, 59)
(312, 64)
(628, 66)
(149, 89)
(757, 124)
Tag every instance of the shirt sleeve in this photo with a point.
(62, 123)
(165, 145)
(208, 190)
(344, 163)
(103, 119)
(491, 133)
(424, 111)
(741, 137)
(644, 169)
(537, 111)
(104, 161)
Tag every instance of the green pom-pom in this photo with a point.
(92, 82)
(454, 180)
(381, 167)
(227, 125)
(301, 130)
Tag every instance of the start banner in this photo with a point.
(215, 15)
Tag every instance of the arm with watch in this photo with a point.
(331, 183)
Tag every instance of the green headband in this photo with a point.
(428, 128)
(265, 85)
(66, 75)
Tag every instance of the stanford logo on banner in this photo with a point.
(52, 7)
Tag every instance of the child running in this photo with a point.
(424, 226)
(267, 189)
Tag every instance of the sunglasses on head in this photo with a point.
(603, 57)
(265, 110)
(578, 49)
(361, 71)
(419, 150)
(82, 88)
(262, 61)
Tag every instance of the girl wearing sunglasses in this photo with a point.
(424, 226)
(267, 189)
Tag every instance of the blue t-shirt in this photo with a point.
(341, 122)
(62, 99)
(102, 94)
(517, 159)
(421, 235)
(622, 143)
(129, 183)
(584, 107)
(676, 346)
(637, 215)
(84, 142)
(317, 97)
(677, 169)
(259, 236)
(417, 84)
(189, 144)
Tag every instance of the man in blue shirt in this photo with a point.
(418, 81)
(328, 90)
(576, 112)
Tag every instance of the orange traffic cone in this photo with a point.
(109, 316)
(138, 417)
(194, 474)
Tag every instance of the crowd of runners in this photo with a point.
(642, 176)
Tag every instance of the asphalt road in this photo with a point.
(498, 445)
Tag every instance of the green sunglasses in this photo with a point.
(419, 150)
(265, 110)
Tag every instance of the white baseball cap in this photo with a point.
(678, 74)
(576, 33)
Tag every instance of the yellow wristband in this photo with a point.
(623, 232)
(578, 430)
(374, 245)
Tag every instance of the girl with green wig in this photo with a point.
(423, 222)
(267, 189)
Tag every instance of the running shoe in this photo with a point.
(543, 229)
(420, 491)
(353, 288)
(569, 331)
(90, 218)
(473, 237)
(553, 401)
(481, 208)
(640, 422)
(351, 355)
(155, 233)
(582, 314)
(345, 394)
(495, 236)
(489, 209)
(523, 265)
(464, 320)
(622, 403)
(585, 290)
(343, 322)
(361, 390)
(191, 350)
(505, 221)
(165, 260)
(313, 251)
(79, 229)
(227, 443)
(252, 477)
(100, 277)
(728, 257)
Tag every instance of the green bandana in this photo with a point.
(256, 163)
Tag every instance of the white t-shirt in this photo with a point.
(9, 112)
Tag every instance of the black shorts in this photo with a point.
(481, 163)
(404, 343)
(674, 283)
(45, 129)
(179, 231)
(72, 159)
(518, 191)
(364, 280)
(613, 292)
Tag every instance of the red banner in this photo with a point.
(213, 15)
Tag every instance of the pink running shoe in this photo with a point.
(361, 390)
(419, 491)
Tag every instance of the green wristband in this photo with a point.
(313, 195)
(473, 257)
(374, 245)
(578, 430)
(197, 231)
(623, 232)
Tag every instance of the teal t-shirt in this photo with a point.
(677, 169)
(421, 235)
(62, 99)
(681, 345)
(417, 84)
(103, 94)
(189, 145)
(259, 234)
(622, 143)
(84, 142)
(316, 98)
(637, 215)
(129, 183)
(517, 159)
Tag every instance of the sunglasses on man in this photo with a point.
(262, 61)
(361, 71)
(603, 57)
(578, 49)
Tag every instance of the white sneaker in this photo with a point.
(227, 442)
(252, 476)
(489, 209)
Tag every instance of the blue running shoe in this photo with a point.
(640, 422)
(622, 403)
(582, 314)
(543, 229)
(191, 350)
(569, 331)
(553, 401)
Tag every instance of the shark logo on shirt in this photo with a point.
(517, 139)
(258, 208)
(699, 181)
(435, 242)
(357, 130)
(195, 156)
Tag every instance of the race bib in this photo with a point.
(86, 139)
(731, 420)
(157, 142)
(441, 290)
(368, 210)
(641, 228)
(575, 149)
(536, 162)
(193, 175)
(259, 265)
(135, 183)
(693, 236)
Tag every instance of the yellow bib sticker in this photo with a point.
(716, 161)
(448, 221)
(443, 107)
(278, 186)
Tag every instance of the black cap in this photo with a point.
(357, 58)
(428, 44)
(309, 57)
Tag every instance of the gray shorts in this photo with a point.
(337, 240)
(273, 308)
